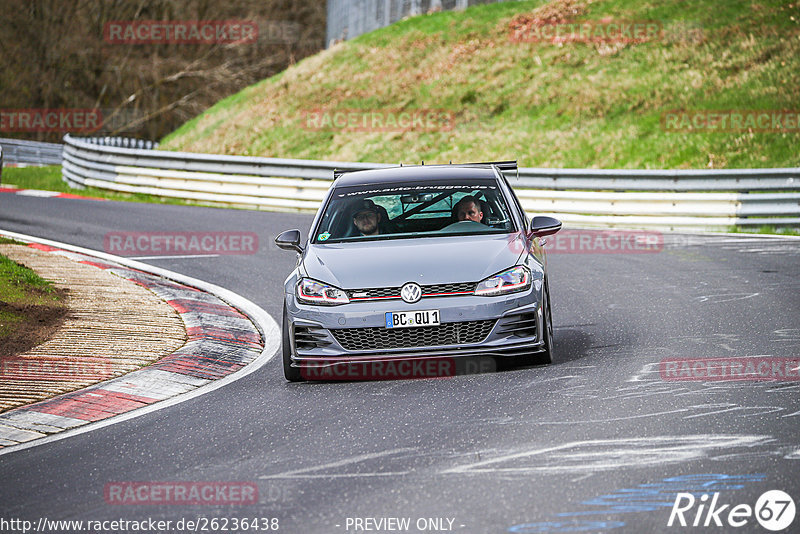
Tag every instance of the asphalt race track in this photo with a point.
(596, 442)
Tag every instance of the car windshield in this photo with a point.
(409, 210)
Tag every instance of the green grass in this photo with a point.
(22, 290)
(45, 178)
(17, 283)
(575, 105)
(49, 179)
(765, 229)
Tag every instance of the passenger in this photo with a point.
(469, 209)
(367, 217)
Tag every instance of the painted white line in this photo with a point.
(37, 193)
(720, 298)
(584, 477)
(175, 257)
(342, 475)
(774, 250)
(728, 407)
(612, 419)
(270, 332)
(300, 473)
(600, 454)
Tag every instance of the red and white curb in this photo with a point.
(229, 337)
(42, 193)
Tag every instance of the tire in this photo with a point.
(292, 374)
(547, 317)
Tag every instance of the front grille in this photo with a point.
(425, 336)
(427, 291)
(466, 287)
(375, 293)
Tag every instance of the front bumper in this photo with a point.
(316, 341)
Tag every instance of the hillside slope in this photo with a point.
(579, 103)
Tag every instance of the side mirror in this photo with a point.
(542, 225)
(289, 240)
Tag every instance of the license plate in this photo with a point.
(412, 319)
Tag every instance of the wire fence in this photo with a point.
(351, 18)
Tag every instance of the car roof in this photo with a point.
(414, 173)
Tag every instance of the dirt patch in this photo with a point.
(32, 324)
(556, 12)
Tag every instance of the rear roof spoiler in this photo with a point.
(510, 165)
(502, 165)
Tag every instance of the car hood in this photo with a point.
(392, 263)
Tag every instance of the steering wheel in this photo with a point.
(463, 226)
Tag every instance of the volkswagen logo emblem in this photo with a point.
(411, 292)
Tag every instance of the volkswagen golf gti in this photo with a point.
(412, 268)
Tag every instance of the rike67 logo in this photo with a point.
(774, 510)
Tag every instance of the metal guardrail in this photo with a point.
(662, 180)
(18, 151)
(685, 199)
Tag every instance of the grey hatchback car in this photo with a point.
(409, 271)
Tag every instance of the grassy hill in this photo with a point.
(571, 104)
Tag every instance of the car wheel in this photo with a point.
(292, 374)
(547, 316)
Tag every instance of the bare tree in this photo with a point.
(53, 55)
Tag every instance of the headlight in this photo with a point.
(312, 292)
(510, 281)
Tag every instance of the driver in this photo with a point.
(469, 209)
(366, 217)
